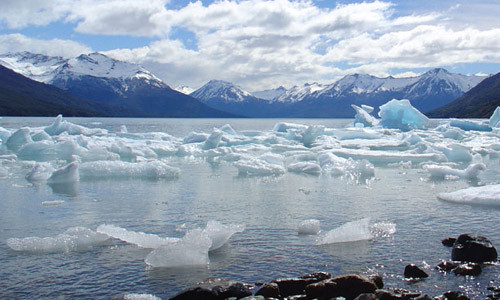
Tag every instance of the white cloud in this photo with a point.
(55, 47)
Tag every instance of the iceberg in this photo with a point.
(495, 117)
(470, 125)
(305, 167)
(311, 226)
(400, 114)
(349, 232)
(19, 138)
(488, 195)
(141, 239)
(258, 167)
(219, 233)
(66, 174)
(59, 126)
(119, 169)
(191, 250)
(73, 239)
(363, 116)
(440, 172)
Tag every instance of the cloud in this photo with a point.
(55, 47)
(17, 14)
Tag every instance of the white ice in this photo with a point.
(52, 203)
(120, 169)
(305, 167)
(400, 114)
(219, 233)
(40, 172)
(141, 239)
(363, 116)
(311, 226)
(349, 232)
(258, 167)
(140, 297)
(470, 125)
(191, 250)
(59, 126)
(488, 195)
(73, 239)
(441, 172)
(68, 173)
(495, 117)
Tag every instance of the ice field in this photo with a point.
(126, 208)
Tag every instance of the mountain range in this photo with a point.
(116, 88)
(426, 92)
(109, 82)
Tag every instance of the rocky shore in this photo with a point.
(468, 256)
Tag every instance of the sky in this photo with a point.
(261, 44)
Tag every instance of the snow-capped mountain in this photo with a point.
(298, 93)
(185, 89)
(105, 80)
(218, 90)
(270, 94)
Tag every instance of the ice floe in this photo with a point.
(488, 195)
(359, 230)
(311, 226)
(401, 115)
(441, 172)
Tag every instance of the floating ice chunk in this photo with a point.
(213, 140)
(123, 129)
(350, 232)
(228, 129)
(19, 138)
(284, 127)
(4, 134)
(219, 234)
(195, 137)
(386, 157)
(52, 203)
(470, 125)
(440, 172)
(400, 114)
(41, 136)
(363, 116)
(258, 167)
(120, 169)
(191, 250)
(455, 152)
(305, 167)
(355, 133)
(59, 126)
(488, 195)
(383, 229)
(453, 133)
(141, 239)
(73, 239)
(40, 172)
(140, 297)
(495, 117)
(273, 158)
(311, 226)
(308, 136)
(68, 173)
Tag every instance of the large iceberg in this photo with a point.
(495, 117)
(400, 114)
(363, 116)
(488, 195)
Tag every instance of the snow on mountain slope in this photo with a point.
(185, 89)
(216, 90)
(38, 67)
(270, 94)
(299, 93)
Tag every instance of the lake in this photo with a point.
(171, 176)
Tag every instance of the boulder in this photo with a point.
(269, 290)
(471, 269)
(196, 293)
(447, 266)
(412, 271)
(448, 242)
(325, 289)
(293, 286)
(378, 280)
(386, 295)
(473, 249)
(350, 286)
(317, 275)
(455, 296)
(366, 296)
(215, 289)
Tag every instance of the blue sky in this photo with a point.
(262, 44)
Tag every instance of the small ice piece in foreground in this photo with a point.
(52, 203)
(363, 116)
(440, 172)
(383, 229)
(400, 114)
(488, 195)
(311, 226)
(73, 239)
(305, 167)
(68, 173)
(219, 234)
(140, 297)
(349, 232)
(495, 117)
(141, 239)
(191, 250)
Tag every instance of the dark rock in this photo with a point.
(473, 249)
(317, 275)
(293, 286)
(468, 269)
(350, 286)
(237, 289)
(447, 266)
(253, 298)
(269, 290)
(196, 293)
(386, 295)
(493, 288)
(412, 271)
(448, 242)
(366, 296)
(405, 294)
(297, 297)
(455, 296)
(377, 279)
(423, 297)
(325, 289)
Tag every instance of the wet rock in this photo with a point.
(196, 293)
(317, 275)
(269, 290)
(253, 298)
(423, 297)
(377, 279)
(412, 271)
(386, 295)
(405, 294)
(471, 269)
(350, 286)
(447, 266)
(448, 242)
(293, 286)
(493, 288)
(325, 289)
(297, 297)
(237, 289)
(455, 296)
(366, 296)
(473, 249)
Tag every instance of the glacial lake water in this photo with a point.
(211, 186)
